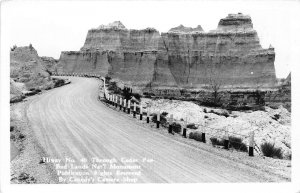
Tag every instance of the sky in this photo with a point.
(55, 26)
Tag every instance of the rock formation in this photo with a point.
(50, 64)
(183, 57)
(28, 73)
(26, 67)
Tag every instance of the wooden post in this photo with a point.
(170, 124)
(157, 119)
(124, 109)
(148, 114)
(134, 109)
(184, 128)
(251, 144)
(226, 137)
(128, 107)
(121, 103)
(141, 111)
(203, 135)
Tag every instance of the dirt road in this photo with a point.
(69, 122)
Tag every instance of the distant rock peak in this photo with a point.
(183, 29)
(234, 22)
(113, 25)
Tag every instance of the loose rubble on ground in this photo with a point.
(271, 125)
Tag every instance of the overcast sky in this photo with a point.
(55, 26)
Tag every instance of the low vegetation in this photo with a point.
(164, 113)
(176, 127)
(269, 150)
(222, 113)
(216, 142)
(237, 143)
(196, 136)
(192, 126)
(126, 92)
(163, 119)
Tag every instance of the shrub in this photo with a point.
(163, 119)
(205, 116)
(127, 93)
(276, 117)
(107, 78)
(222, 113)
(210, 104)
(21, 136)
(216, 141)
(164, 113)
(58, 82)
(236, 143)
(196, 136)
(269, 150)
(176, 127)
(12, 128)
(192, 126)
(137, 96)
(205, 110)
(112, 86)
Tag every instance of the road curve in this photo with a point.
(69, 122)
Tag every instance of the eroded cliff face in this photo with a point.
(183, 57)
(115, 37)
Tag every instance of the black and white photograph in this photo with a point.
(197, 93)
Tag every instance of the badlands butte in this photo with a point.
(182, 58)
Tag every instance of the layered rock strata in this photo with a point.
(183, 57)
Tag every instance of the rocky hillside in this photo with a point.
(184, 57)
(270, 125)
(50, 64)
(28, 73)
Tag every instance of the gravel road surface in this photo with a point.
(70, 122)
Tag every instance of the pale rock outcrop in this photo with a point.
(183, 29)
(50, 64)
(184, 57)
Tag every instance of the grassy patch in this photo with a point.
(196, 136)
(176, 127)
(237, 143)
(222, 113)
(164, 113)
(215, 141)
(192, 126)
(269, 150)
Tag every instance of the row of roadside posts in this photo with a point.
(125, 105)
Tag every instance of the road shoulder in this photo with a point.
(26, 167)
